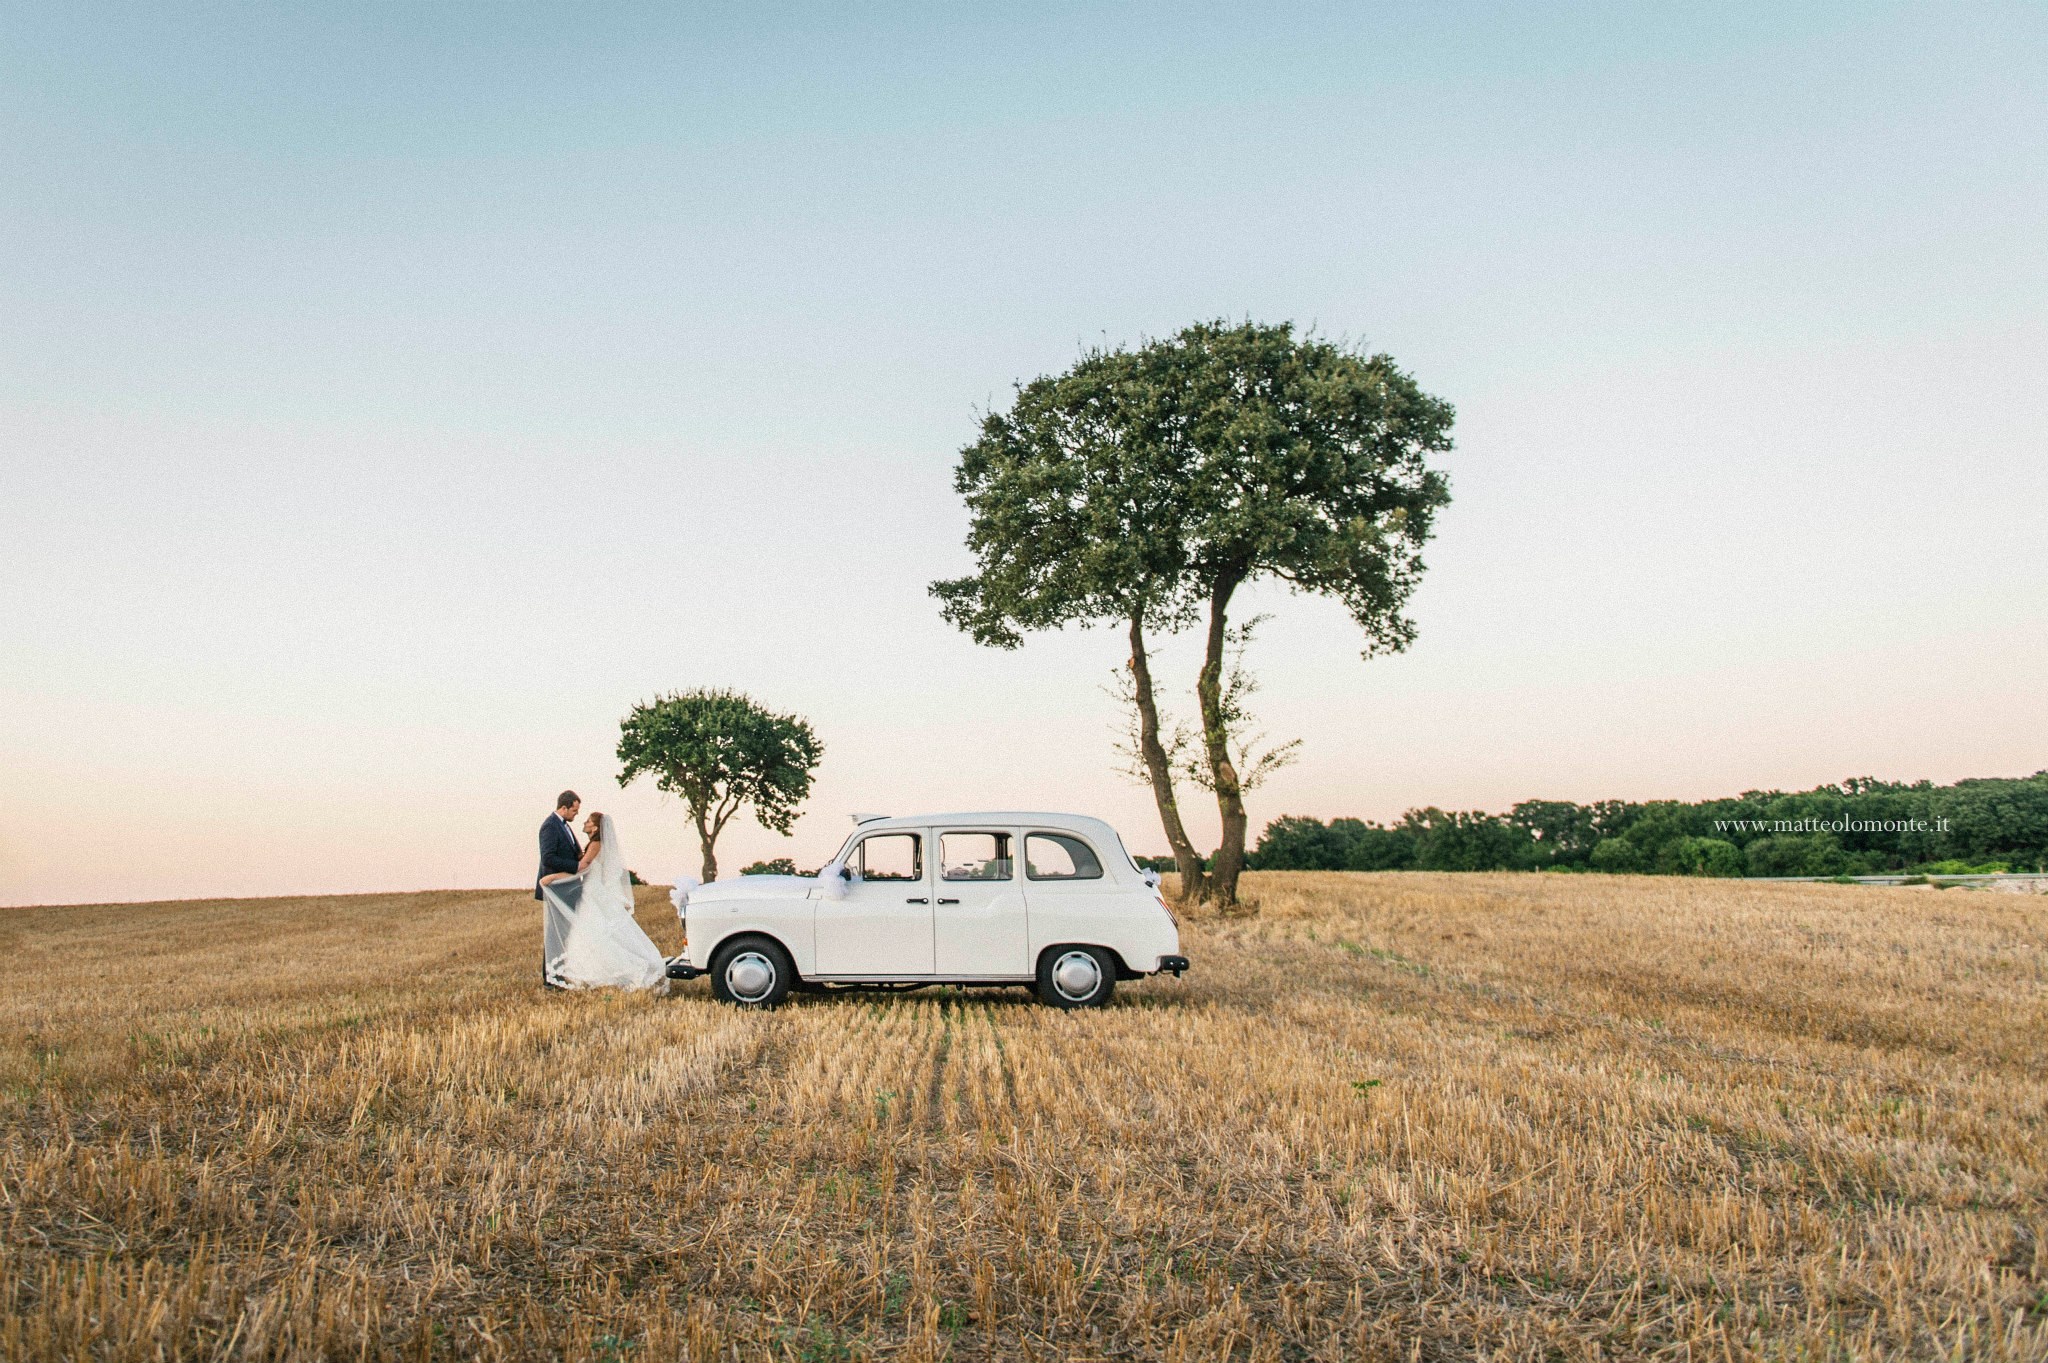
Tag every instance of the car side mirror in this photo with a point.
(846, 873)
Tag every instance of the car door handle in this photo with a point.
(917, 901)
(949, 901)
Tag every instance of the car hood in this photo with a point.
(754, 887)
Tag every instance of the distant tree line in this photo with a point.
(1860, 827)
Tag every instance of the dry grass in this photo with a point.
(1411, 1116)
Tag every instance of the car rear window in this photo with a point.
(1060, 856)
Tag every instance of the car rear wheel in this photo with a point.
(753, 972)
(1075, 977)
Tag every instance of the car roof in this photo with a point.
(1001, 818)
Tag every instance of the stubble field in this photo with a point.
(1400, 1116)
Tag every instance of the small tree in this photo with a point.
(719, 753)
(1147, 487)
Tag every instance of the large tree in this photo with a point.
(1148, 487)
(1068, 491)
(719, 752)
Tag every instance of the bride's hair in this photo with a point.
(598, 834)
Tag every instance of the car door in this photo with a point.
(883, 925)
(978, 923)
(1070, 898)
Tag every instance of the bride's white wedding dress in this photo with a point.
(592, 941)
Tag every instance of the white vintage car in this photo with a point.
(1049, 900)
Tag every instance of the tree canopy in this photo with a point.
(720, 752)
(1860, 827)
(1146, 487)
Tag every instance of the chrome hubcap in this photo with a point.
(749, 976)
(1076, 975)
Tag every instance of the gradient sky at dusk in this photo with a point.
(392, 395)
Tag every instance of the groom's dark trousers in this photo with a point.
(559, 854)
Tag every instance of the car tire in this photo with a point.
(752, 972)
(1075, 977)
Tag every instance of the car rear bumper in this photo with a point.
(1172, 965)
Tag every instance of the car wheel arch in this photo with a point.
(764, 934)
(724, 940)
(1124, 973)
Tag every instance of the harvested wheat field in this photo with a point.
(1400, 1116)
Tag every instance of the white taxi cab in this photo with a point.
(1047, 900)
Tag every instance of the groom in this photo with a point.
(559, 850)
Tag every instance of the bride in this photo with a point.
(591, 938)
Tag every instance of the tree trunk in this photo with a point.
(707, 838)
(1229, 860)
(1194, 883)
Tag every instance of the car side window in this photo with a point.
(890, 856)
(974, 856)
(1060, 856)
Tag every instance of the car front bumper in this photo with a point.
(1172, 965)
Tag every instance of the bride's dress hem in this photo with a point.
(591, 940)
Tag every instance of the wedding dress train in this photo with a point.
(591, 940)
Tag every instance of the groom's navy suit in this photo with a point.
(559, 850)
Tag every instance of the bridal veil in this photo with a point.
(589, 936)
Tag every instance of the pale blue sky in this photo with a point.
(392, 395)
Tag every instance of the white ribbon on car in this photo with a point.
(832, 880)
(679, 896)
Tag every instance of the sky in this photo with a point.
(392, 396)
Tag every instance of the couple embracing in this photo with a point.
(589, 937)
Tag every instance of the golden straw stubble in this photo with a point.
(1498, 1116)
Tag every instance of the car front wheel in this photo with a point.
(752, 972)
(1075, 977)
